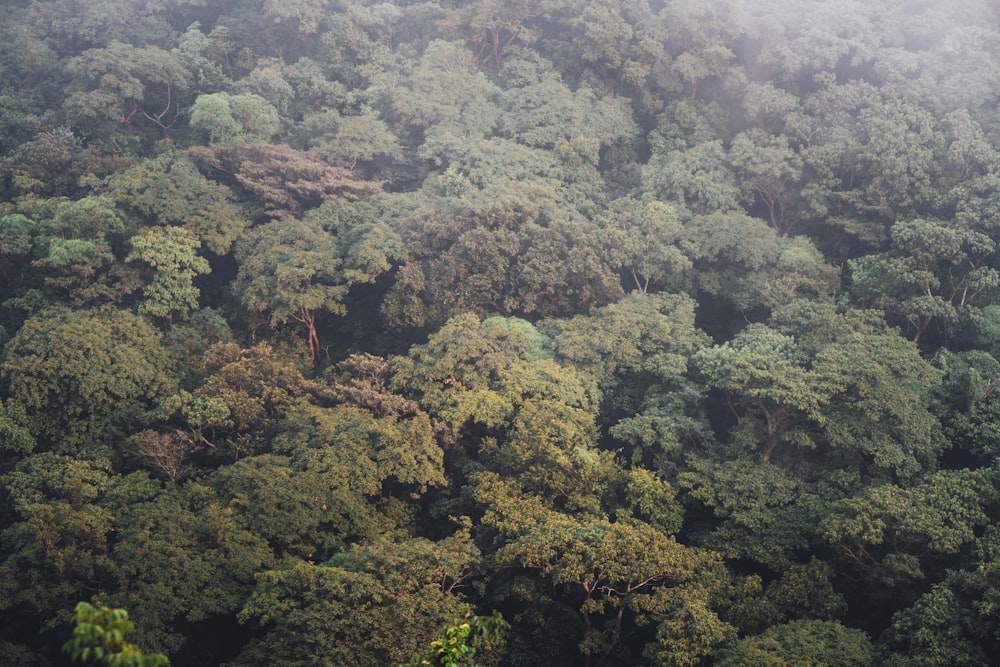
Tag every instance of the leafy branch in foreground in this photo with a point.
(457, 647)
(99, 639)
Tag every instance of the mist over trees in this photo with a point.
(669, 330)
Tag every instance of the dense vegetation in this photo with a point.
(668, 330)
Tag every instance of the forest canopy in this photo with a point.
(579, 332)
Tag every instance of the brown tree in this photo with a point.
(285, 180)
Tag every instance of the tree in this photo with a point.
(168, 190)
(614, 44)
(15, 248)
(967, 396)
(232, 118)
(366, 235)
(934, 271)
(763, 513)
(364, 140)
(820, 389)
(73, 243)
(171, 252)
(286, 181)
(899, 159)
(890, 535)
(637, 349)
(531, 420)
(933, 631)
(955, 621)
(15, 437)
(302, 17)
(182, 556)
(99, 637)
(289, 268)
(698, 177)
(642, 241)
(768, 166)
(768, 370)
(372, 605)
(121, 83)
(82, 376)
(57, 542)
(450, 100)
(744, 262)
(702, 38)
(461, 641)
(49, 164)
(335, 475)
(495, 252)
(802, 643)
(881, 418)
(494, 27)
(245, 393)
(616, 574)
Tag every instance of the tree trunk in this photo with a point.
(308, 318)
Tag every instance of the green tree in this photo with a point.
(171, 253)
(462, 640)
(967, 397)
(618, 575)
(302, 17)
(933, 631)
(244, 395)
(848, 383)
(182, 556)
(49, 164)
(744, 262)
(934, 272)
(802, 643)
(120, 84)
(637, 349)
(955, 621)
(697, 176)
(702, 40)
(361, 140)
(373, 605)
(768, 370)
(73, 244)
(507, 254)
(82, 376)
(168, 190)
(763, 512)
(494, 27)
(335, 475)
(530, 420)
(99, 638)
(365, 233)
(890, 535)
(56, 546)
(450, 99)
(15, 249)
(769, 168)
(231, 118)
(289, 269)
(642, 242)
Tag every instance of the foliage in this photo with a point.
(81, 375)
(373, 605)
(461, 641)
(171, 252)
(669, 330)
(803, 643)
(99, 638)
(284, 180)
